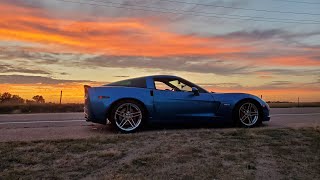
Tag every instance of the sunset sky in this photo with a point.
(264, 47)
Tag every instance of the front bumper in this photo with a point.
(266, 113)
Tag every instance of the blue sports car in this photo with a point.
(131, 104)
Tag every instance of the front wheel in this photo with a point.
(248, 114)
(127, 116)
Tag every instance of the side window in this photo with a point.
(175, 84)
(171, 85)
(161, 86)
(180, 85)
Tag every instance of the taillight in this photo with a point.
(103, 97)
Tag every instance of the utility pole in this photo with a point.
(60, 96)
(298, 101)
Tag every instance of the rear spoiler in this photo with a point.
(86, 87)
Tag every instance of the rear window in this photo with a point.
(138, 82)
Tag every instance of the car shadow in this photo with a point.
(160, 127)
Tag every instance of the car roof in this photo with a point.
(153, 76)
(162, 76)
(146, 77)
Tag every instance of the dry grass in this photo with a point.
(39, 108)
(175, 154)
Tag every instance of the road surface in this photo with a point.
(24, 127)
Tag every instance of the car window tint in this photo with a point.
(139, 82)
(122, 83)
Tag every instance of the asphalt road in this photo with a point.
(25, 127)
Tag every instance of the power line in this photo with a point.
(181, 13)
(300, 2)
(248, 9)
(208, 13)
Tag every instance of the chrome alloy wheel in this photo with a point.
(248, 114)
(128, 116)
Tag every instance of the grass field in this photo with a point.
(174, 154)
(39, 108)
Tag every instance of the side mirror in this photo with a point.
(195, 91)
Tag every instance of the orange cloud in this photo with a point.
(134, 37)
(130, 37)
(277, 60)
(294, 61)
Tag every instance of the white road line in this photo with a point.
(35, 122)
(303, 114)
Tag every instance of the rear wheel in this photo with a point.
(127, 116)
(248, 114)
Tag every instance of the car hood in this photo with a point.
(233, 98)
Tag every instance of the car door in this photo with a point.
(170, 105)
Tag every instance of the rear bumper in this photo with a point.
(90, 117)
(87, 114)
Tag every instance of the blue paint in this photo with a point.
(168, 106)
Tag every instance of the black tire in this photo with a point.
(248, 114)
(125, 121)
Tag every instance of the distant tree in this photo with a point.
(38, 99)
(15, 99)
(5, 97)
(12, 99)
